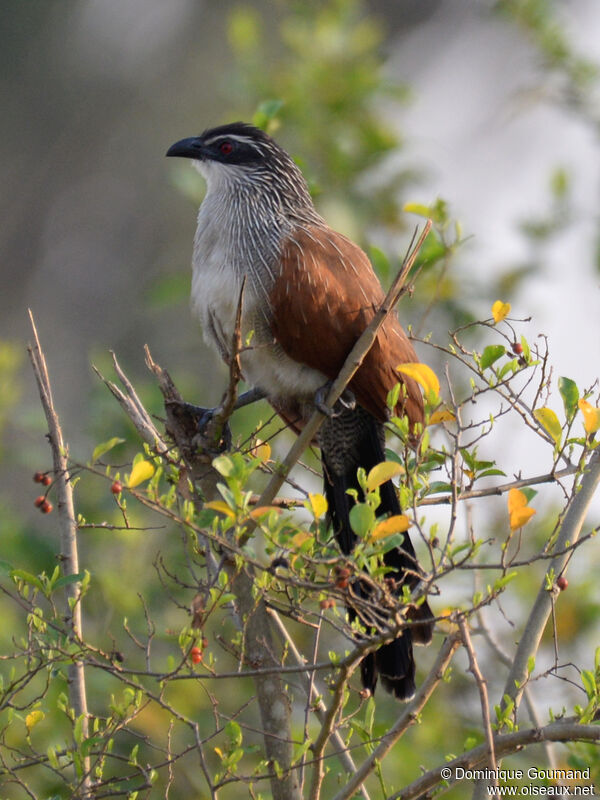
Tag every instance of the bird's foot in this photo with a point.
(345, 402)
(201, 416)
(203, 426)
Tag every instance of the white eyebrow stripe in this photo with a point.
(233, 138)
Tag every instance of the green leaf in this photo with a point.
(27, 577)
(570, 395)
(104, 447)
(491, 354)
(486, 473)
(362, 519)
(67, 580)
(380, 261)
(589, 683)
(266, 112)
(234, 733)
(510, 366)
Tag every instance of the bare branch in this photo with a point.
(69, 555)
(567, 730)
(482, 688)
(569, 534)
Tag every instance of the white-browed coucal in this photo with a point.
(309, 292)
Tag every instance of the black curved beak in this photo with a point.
(187, 148)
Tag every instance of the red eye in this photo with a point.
(226, 148)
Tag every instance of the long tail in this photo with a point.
(351, 440)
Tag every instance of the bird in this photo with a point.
(308, 292)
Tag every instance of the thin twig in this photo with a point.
(482, 688)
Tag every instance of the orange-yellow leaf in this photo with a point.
(521, 517)
(262, 451)
(383, 472)
(442, 415)
(518, 511)
(591, 416)
(259, 511)
(141, 472)
(387, 527)
(516, 499)
(549, 422)
(423, 375)
(500, 311)
(220, 505)
(317, 504)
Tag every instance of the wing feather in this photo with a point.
(325, 297)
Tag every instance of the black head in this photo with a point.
(237, 143)
(239, 154)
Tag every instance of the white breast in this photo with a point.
(218, 274)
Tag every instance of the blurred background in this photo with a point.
(487, 108)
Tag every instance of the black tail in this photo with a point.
(351, 440)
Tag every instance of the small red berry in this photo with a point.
(39, 501)
(46, 480)
(517, 348)
(341, 577)
(204, 642)
(117, 487)
(196, 655)
(562, 583)
(38, 477)
(46, 507)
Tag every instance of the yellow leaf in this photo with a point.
(32, 719)
(442, 415)
(140, 473)
(220, 505)
(591, 416)
(423, 375)
(387, 527)
(446, 624)
(549, 422)
(383, 472)
(417, 208)
(218, 751)
(500, 311)
(317, 504)
(518, 511)
(262, 451)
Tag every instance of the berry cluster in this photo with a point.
(197, 653)
(42, 502)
